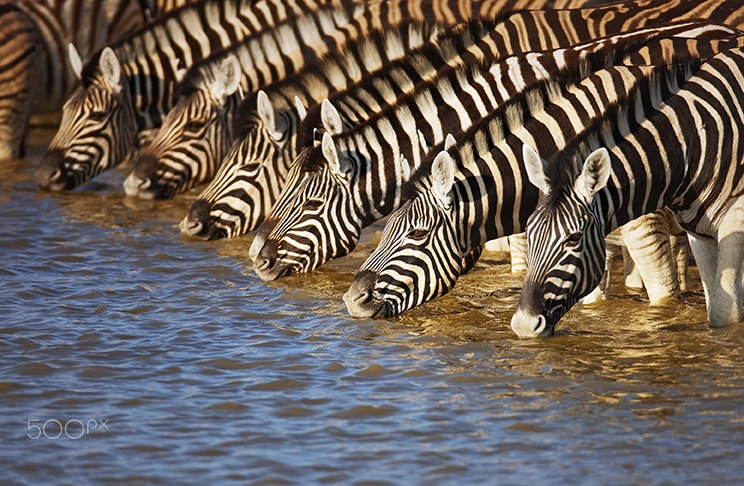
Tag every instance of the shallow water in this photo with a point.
(131, 354)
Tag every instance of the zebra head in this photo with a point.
(98, 129)
(194, 137)
(314, 219)
(565, 241)
(252, 174)
(419, 256)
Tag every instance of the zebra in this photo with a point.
(682, 152)
(353, 178)
(181, 157)
(33, 47)
(486, 195)
(241, 194)
(126, 87)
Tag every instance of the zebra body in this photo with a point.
(240, 196)
(180, 158)
(358, 176)
(127, 87)
(685, 155)
(36, 73)
(425, 242)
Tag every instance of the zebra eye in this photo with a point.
(252, 167)
(97, 115)
(194, 125)
(418, 234)
(313, 204)
(573, 238)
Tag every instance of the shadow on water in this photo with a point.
(168, 360)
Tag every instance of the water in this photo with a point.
(131, 354)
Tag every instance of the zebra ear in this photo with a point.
(330, 118)
(535, 168)
(331, 155)
(111, 69)
(595, 174)
(443, 178)
(227, 80)
(267, 114)
(301, 110)
(449, 141)
(75, 61)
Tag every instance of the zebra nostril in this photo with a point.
(50, 169)
(198, 220)
(265, 263)
(540, 326)
(266, 258)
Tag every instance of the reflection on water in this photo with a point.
(132, 354)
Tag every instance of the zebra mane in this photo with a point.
(90, 69)
(244, 118)
(310, 159)
(619, 119)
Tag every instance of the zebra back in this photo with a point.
(87, 25)
(426, 242)
(358, 176)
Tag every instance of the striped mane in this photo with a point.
(245, 117)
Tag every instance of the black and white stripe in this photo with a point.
(270, 128)
(241, 195)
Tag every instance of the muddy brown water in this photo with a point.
(131, 354)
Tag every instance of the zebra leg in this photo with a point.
(631, 273)
(681, 253)
(726, 290)
(518, 250)
(647, 240)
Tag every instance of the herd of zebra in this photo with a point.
(591, 125)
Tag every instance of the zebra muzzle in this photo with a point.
(360, 300)
(267, 264)
(51, 174)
